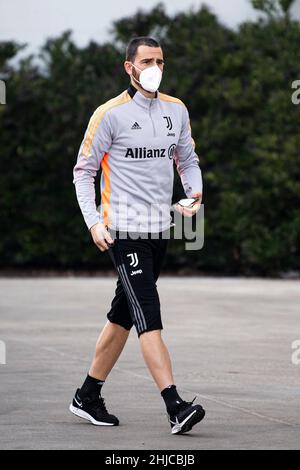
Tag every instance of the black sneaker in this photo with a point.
(185, 416)
(93, 409)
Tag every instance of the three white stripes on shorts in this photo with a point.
(137, 309)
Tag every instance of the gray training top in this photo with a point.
(134, 140)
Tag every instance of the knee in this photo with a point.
(149, 333)
(117, 327)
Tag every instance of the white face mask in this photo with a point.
(150, 78)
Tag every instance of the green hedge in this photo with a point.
(237, 87)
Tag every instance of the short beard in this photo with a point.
(137, 77)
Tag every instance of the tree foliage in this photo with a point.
(237, 87)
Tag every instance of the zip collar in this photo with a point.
(140, 99)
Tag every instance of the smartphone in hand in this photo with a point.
(188, 202)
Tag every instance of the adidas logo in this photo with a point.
(136, 126)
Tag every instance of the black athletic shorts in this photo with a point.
(138, 263)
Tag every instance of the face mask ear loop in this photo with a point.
(133, 76)
(136, 67)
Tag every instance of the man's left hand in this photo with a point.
(190, 211)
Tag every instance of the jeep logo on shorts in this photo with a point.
(171, 150)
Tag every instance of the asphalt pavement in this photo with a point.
(230, 341)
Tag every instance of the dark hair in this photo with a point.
(133, 45)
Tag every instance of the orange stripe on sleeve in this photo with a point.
(97, 117)
(105, 194)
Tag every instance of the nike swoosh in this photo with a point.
(178, 426)
(174, 422)
(79, 404)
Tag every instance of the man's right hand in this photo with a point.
(101, 236)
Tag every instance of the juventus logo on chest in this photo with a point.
(169, 122)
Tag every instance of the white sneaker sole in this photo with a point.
(84, 415)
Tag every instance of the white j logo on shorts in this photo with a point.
(134, 259)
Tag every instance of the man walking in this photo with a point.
(134, 138)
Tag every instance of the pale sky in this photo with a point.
(33, 21)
